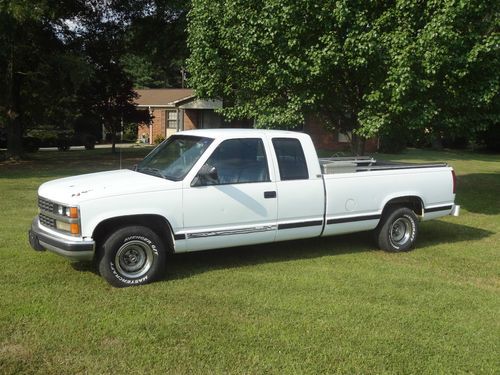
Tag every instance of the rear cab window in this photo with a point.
(291, 159)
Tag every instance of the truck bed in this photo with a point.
(365, 163)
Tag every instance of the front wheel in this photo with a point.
(398, 230)
(133, 255)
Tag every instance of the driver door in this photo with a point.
(232, 201)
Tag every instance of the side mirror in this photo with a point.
(206, 176)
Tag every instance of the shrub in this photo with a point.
(159, 139)
(392, 142)
(493, 138)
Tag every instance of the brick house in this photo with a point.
(174, 110)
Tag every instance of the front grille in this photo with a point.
(45, 205)
(47, 221)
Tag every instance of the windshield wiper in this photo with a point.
(151, 171)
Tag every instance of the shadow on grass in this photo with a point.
(180, 266)
(478, 192)
(445, 155)
(436, 232)
(188, 264)
(55, 164)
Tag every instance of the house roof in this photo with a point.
(162, 97)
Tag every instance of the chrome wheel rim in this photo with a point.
(401, 231)
(134, 259)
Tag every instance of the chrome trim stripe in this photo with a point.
(265, 228)
(250, 230)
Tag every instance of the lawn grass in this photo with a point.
(330, 305)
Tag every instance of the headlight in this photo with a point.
(69, 220)
(71, 212)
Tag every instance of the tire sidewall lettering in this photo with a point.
(413, 227)
(126, 280)
(142, 238)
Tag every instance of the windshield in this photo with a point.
(174, 158)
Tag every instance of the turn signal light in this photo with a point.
(73, 212)
(74, 228)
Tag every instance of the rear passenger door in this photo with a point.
(300, 191)
(238, 205)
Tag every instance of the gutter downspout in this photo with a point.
(178, 119)
(150, 127)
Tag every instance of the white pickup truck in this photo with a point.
(207, 189)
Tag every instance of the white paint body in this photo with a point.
(208, 217)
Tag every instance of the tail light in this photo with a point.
(454, 176)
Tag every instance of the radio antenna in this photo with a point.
(121, 141)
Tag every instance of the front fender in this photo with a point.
(167, 204)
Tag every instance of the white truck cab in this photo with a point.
(207, 189)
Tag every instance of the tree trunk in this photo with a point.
(113, 141)
(436, 142)
(14, 138)
(14, 128)
(358, 145)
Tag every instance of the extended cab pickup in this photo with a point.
(207, 189)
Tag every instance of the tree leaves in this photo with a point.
(368, 66)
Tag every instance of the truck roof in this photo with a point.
(244, 133)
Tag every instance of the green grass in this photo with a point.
(331, 305)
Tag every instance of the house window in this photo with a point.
(172, 119)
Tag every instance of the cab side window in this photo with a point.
(237, 161)
(291, 160)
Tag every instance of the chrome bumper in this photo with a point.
(75, 250)
(455, 211)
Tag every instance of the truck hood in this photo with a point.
(76, 189)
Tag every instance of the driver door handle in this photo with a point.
(269, 194)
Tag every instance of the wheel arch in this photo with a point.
(157, 223)
(413, 202)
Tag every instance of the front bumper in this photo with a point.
(41, 240)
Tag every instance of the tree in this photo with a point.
(60, 63)
(38, 73)
(362, 66)
(109, 94)
(120, 40)
(156, 43)
(443, 78)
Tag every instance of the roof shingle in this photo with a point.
(161, 97)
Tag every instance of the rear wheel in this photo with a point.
(133, 255)
(398, 230)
